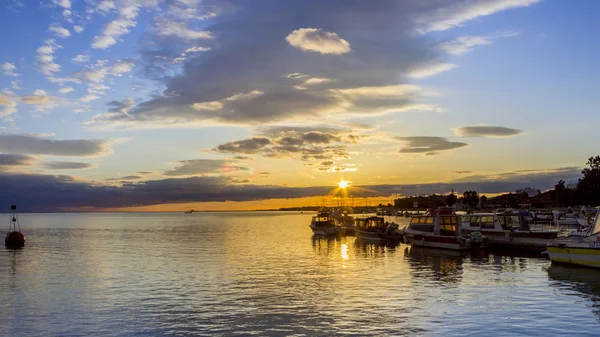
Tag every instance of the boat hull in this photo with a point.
(371, 236)
(588, 257)
(323, 230)
(435, 241)
(526, 240)
(14, 240)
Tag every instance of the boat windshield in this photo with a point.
(596, 227)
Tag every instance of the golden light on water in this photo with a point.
(343, 184)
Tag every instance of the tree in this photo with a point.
(470, 198)
(511, 201)
(451, 199)
(589, 186)
(483, 200)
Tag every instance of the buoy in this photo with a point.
(14, 238)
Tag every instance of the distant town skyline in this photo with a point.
(189, 104)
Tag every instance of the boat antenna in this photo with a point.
(14, 219)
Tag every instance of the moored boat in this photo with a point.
(323, 223)
(375, 229)
(577, 248)
(14, 238)
(507, 230)
(441, 229)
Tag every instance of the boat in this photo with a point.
(507, 230)
(441, 229)
(582, 249)
(323, 223)
(374, 228)
(14, 238)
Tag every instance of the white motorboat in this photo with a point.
(375, 229)
(441, 229)
(577, 248)
(507, 230)
(323, 223)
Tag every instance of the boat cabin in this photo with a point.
(370, 224)
(445, 225)
(323, 219)
(491, 221)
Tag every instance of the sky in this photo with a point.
(179, 104)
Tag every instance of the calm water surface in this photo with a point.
(264, 274)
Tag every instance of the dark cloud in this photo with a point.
(66, 165)
(304, 143)
(7, 159)
(126, 178)
(487, 131)
(248, 146)
(203, 166)
(30, 144)
(428, 145)
(144, 172)
(244, 74)
(44, 193)
(319, 137)
(327, 163)
(241, 158)
(462, 172)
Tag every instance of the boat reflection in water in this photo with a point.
(584, 281)
(445, 264)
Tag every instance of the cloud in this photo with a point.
(128, 177)
(8, 69)
(41, 100)
(113, 30)
(164, 27)
(9, 103)
(462, 172)
(317, 40)
(66, 165)
(247, 146)
(292, 142)
(241, 158)
(459, 12)
(80, 58)
(122, 67)
(88, 98)
(337, 169)
(45, 58)
(487, 131)
(430, 70)
(66, 90)
(464, 44)
(59, 31)
(249, 53)
(62, 3)
(428, 145)
(78, 29)
(31, 144)
(203, 166)
(10, 159)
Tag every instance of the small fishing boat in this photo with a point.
(507, 230)
(441, 229)
(323, 223)
(374, 228)
(14, 238)
(581, 249)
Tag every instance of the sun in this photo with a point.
(343, 184)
